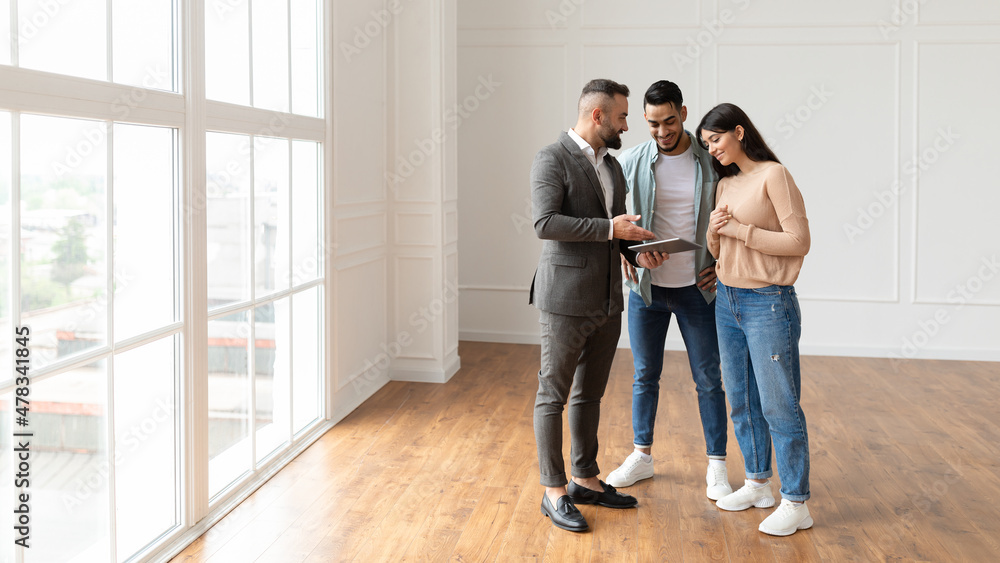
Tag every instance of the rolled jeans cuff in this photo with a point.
(796, 498)
(762, 475)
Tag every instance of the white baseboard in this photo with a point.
(972, 355)
(427, 375)
(502, 337)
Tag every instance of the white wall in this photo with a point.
(883, 115)
(394, 195)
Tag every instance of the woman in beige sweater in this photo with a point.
(759, 234)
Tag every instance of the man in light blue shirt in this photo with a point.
(671, 187)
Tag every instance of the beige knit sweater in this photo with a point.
(773, 236)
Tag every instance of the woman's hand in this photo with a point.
(721, 222)
(720, 216)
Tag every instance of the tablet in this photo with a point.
(670, 246)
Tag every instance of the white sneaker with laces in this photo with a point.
(787, 519)
(718, 482)
(747, 496)
(632, 469)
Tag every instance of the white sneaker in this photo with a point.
(747, 496)
(718, 482)
(632, 469)
(787, 519)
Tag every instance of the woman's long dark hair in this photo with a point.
(725, 117)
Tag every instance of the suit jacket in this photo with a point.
(579, 270)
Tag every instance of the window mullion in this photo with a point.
(291, 260)
(109, 56)
(15, 231)
(288, 26)
(109, 253)
(252, 344)
(179, 47)
(195, 248)
(326, 163)
(250, 45)
(15, 228)
(252, 369)
(15, 40)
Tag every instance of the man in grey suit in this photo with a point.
(578, 207)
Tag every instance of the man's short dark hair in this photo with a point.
(662, 93)
(602, 89)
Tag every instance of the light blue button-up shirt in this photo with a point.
(638, 164)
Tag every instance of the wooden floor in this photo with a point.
(905, 467)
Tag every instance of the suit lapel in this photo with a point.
(570, 145)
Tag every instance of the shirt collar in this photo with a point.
(588, 150)
(696, 151)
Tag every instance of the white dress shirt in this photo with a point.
(596, 158)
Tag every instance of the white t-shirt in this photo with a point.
(673, 216)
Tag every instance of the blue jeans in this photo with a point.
(759, 341)
(647, 331)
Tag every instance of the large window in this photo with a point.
(106, 217)
(260, 269)
(264, 53)
(72, 38)
(97, 204)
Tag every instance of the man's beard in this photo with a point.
(612, 139)
(664, 149)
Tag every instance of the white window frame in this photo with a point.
(37, 92)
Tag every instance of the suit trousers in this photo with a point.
(576, 360)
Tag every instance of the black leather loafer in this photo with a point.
(610, 498)
(566, 516)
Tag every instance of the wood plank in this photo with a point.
(618, 530)
(431, 545)
(659, 535)
(703, 536)
(360, 522)
(571, 547)
(481, 539)
(527, 534)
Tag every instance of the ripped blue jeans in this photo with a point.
(759, 331)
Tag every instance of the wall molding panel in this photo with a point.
(852, 96)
